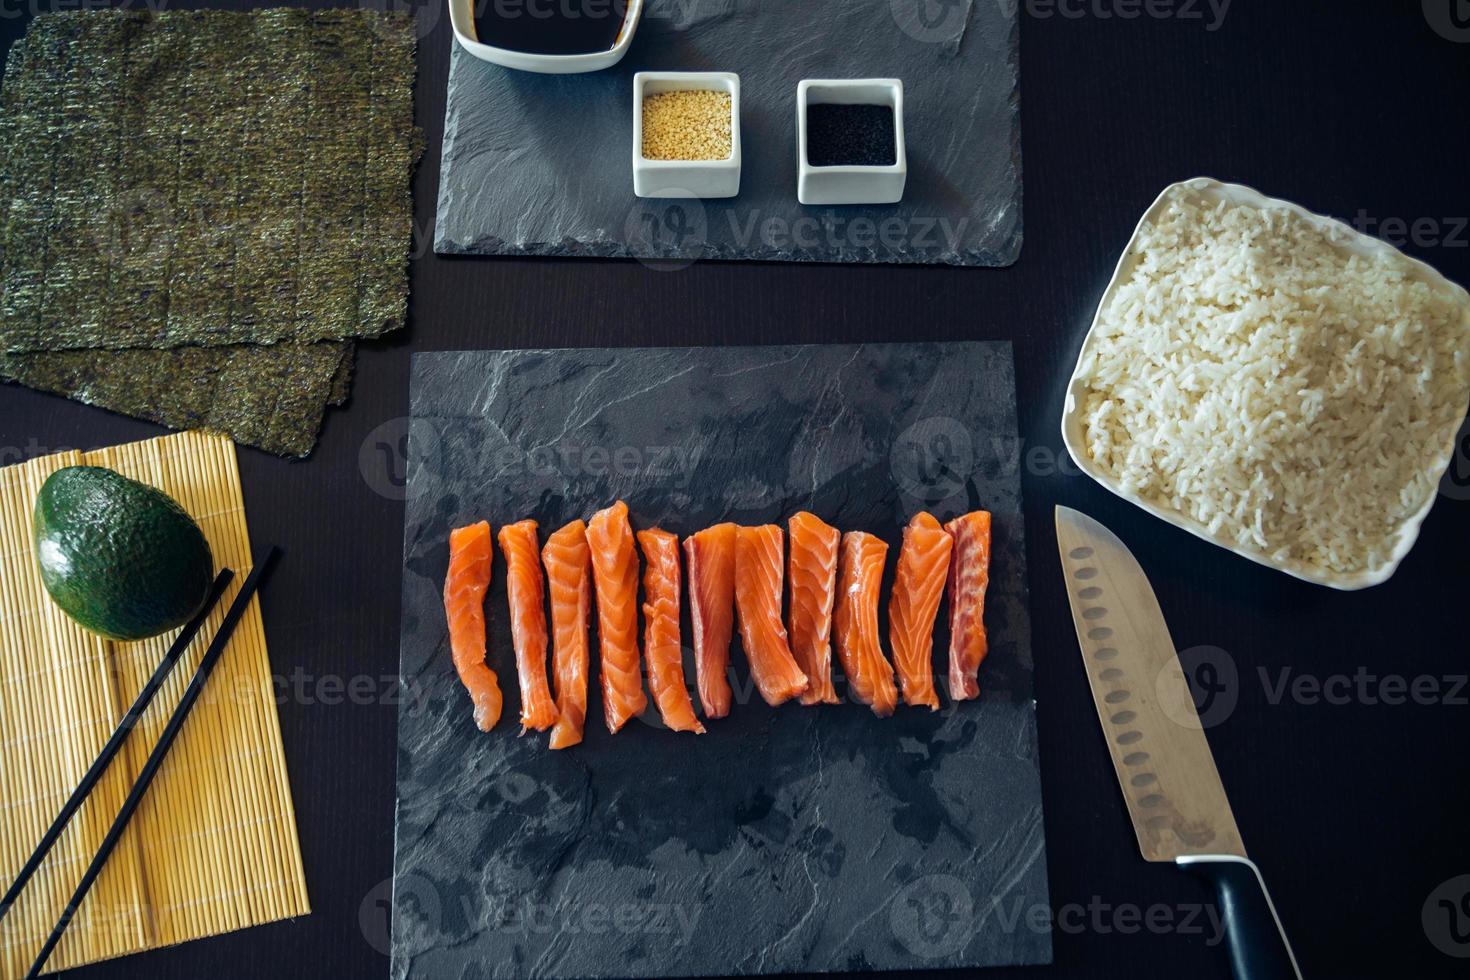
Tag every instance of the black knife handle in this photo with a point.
(1259, 949)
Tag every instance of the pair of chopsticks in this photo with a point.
(155, 758)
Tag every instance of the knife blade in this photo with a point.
(1175, 799)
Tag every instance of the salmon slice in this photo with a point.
(464, 606)
(615, 574)
(710, 557)
(758, 580)
(662, 652)
(969, 575)
(923, 569)
(526, 590)
(869, 675)
(569, 576)
(813, 574)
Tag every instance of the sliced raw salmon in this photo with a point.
(923, 569)
(662, 652)
(710, 556)
(464, 607)
(569, 576)
(526, 589)
(813, 574)
(758, 579)
(969, 575)
(615, 573)
(869, 675)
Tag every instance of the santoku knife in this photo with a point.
(1163, 761)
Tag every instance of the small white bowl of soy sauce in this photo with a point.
(555, 37)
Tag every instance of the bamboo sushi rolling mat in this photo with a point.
(213, 845)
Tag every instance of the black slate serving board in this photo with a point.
(784, 840)
(541, 164)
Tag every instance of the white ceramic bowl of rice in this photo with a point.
(1273, 381)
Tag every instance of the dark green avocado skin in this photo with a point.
(119, 557)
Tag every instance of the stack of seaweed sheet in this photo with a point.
(200, 211)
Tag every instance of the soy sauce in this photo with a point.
(550, 26)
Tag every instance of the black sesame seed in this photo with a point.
(850, 136)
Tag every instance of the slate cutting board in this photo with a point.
(784, 840)
(542, 164)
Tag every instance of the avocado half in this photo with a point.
(118, 556)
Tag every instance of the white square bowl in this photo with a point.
(686, 178)
(851, 185)
(1342, 235)
(462, 20)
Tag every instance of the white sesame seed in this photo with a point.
(687, 125)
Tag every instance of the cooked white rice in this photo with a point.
(1293, 398)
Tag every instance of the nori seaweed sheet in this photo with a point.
(207, 178)
(175, 188)
(342, 380)
(269, 396)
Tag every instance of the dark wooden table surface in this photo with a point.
(1353, 805)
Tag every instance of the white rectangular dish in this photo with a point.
(686, 178)
(1209, 191)
(850, 184)
(462, 20)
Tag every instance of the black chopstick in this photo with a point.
(155, 758)
(119, 736)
